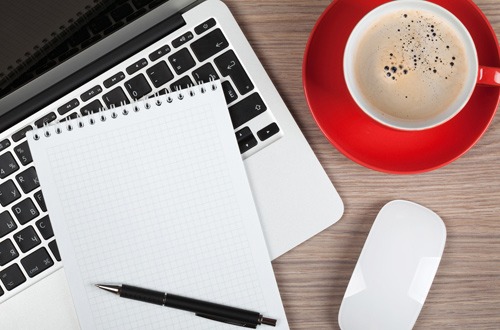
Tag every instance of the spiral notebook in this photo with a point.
(154, 194)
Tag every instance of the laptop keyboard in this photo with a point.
(27, 244)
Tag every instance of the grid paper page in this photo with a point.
(159, 199)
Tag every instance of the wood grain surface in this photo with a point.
(313, 277)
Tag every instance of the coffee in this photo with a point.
(411, 65)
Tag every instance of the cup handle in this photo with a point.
(488, 76)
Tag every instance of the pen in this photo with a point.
(216, 312)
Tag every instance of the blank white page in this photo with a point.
(159, 199)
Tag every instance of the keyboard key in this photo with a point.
(21, 134)
(179, 41)
(115, 98)
(246, 140)
(92, 107)
(160, 74)
(7, 224)
(4, 144)
(55, 250)
(182, 83)
(37, 262)
(25, 211)
(138, 86)
(268, 131)
(246, 109)
(8, 165)
(12, 276)
(159, 53)
(23, 153)
(229, 92)
(28, 180)
(7, 252)
(181, 61)
(44, 227)
(137, 66)
(27, 239)
(205, 73)
(229, 65)
(209, 45)
(40, 200)
(114, 79)
(68, 106)
(48, 118)
(91, 93)
(204, 26)
(72, 116)
(8, 193)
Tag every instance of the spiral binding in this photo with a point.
(124, 109)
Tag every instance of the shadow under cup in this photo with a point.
(386, 85)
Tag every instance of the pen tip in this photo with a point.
(110, 288)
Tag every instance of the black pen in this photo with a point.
(216, 312)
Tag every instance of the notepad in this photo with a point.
(154, 194)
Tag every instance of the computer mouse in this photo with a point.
(395, 269)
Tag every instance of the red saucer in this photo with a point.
(364, 140)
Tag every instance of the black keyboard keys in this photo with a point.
(182, 39)
(27, 239)
(209, 45)
(45, 227)
(48, 118)
(114, 79)
(25, 211)
(37, 262)
(28, 180)
(204, 26)
(7, 252)
(40, 200)
(181, 61)
(159, 53)
(91, 93)
(137, 66)
(23, 153)
(4, 144)
(68, 106)
(246, 109)
(55, 250)
(229, 92)
(205, 73)
(159, 74)
(182, 83)
(92, 107)
(8, 193)
(19, 135)
(229, 65)
(116, 97)
(8, 165)
(12, 276)
(268, 131)
(7, 224)
(138, 86)
(245, 139)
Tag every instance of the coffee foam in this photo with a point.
(411, 65)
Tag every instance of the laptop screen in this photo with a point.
(36, 36)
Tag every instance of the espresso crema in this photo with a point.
(411, 65)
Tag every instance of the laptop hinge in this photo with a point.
(90, 71)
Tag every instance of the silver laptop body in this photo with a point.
(294, 196)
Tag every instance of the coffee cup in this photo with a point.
(412, 65)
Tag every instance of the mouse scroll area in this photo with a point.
(395, 270)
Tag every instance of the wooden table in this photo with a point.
(313, 277)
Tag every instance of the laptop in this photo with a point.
(111, 53)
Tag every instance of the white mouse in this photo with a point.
(395, 270)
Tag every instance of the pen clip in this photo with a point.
(228, 321)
